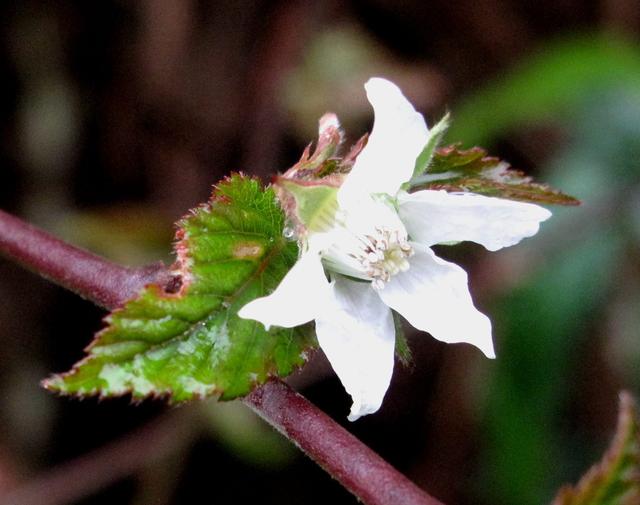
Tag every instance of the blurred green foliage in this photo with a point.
(247, 437)
(560, 78)
(614, 479)
(552, 322)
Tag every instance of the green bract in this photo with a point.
(191, 343)
(312, 207)
(435, 137)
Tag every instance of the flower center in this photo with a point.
(383, 255)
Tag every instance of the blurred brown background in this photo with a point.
(118, 116)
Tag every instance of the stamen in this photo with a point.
(374, 254)
(384, 255)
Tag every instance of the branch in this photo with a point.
(80, 271)
(344, 457)
(76, 479)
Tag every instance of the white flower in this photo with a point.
(376, 251)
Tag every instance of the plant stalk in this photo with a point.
(359, 469)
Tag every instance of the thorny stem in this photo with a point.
(80, 271)
(343, 456)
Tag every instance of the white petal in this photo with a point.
(358, 337)
(435, 217)
(433, 295)
(342, 245)
(398, 136)
(301, 294)
(371, 215)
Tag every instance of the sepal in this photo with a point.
(471, 170)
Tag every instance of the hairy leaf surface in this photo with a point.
(186, 340)
(453, 169)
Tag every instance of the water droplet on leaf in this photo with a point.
(288, 232)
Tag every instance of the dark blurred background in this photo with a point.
(118, 116)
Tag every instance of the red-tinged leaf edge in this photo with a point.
(176, 288)
(472, 170)
(615, 480)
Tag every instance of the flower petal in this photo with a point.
(399, 134)
(358, 337)
(341, 246)
(435, 217)
(302, 293)
(433, 295)
(371, 215)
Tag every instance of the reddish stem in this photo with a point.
(80, 271)
(343, 456)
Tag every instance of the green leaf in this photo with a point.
(402, 349)
(616, 479)
(188, 341)
(435, 137)
(471, 170)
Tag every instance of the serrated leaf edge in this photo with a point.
(179, 269)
